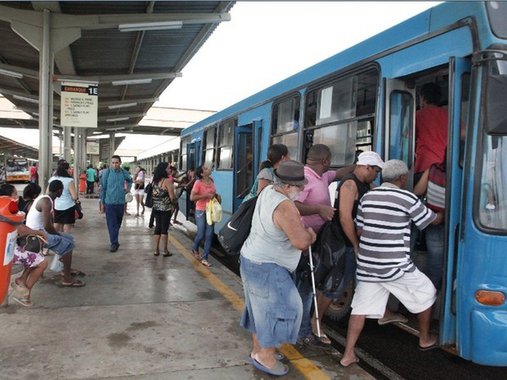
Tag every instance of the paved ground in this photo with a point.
(139, 316)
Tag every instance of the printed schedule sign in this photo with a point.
(79, 104)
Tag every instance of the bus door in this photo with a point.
(193, 161)
(245, 160)
(193, 154)
(399, 139)
(459, 84)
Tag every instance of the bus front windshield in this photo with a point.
(492, 205)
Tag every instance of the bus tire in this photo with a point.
(339, 309)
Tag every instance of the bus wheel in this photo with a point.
(340, 307)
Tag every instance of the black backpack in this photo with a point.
(235, 232)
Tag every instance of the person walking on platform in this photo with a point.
(163, 200)
(268, 258)
(90, 179)
(384, 266)
(314, 204)
(202, 192)
(139, 178)
(114, 184)
(40, 218)
(34, 173)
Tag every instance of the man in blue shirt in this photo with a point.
(115, 183)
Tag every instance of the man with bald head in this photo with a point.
(314, 204)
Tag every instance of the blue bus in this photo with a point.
(366, 98)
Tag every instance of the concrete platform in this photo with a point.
(140, 317)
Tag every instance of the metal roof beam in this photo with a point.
(120, 77)
(113, 103)
(18, 70)
(110, 21)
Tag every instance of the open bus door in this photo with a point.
(193, 161)
(400, 123)
(459, 90)
(245, 160)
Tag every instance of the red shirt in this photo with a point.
(430, 137)
(200, 188)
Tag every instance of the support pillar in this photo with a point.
(112, 146)
(67, 142)
(45, 102)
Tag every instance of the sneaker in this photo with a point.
(314, 342)
(205, 262)
(394, 317)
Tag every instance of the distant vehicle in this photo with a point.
(364, 98)
(17, 170)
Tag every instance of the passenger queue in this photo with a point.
(293, 203)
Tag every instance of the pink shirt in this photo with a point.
(200, 188)
(316, 192)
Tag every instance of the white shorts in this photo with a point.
(414, 290)
(139, 192)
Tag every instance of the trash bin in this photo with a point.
(10, 217)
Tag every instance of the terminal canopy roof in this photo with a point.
(133, 49)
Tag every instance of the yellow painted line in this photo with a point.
(307, 368)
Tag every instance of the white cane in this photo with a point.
(314, 291)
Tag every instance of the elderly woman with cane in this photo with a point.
(269, 256)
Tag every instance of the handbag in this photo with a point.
(31, 243)
(79, 210)
(148, 202)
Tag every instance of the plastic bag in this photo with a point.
(129, 197)
(213, 211)
(56, 265)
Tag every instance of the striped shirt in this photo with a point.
(435, 195)
(384, 215)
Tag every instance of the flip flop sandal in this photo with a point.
(434, 345)
(20, 290)
(23, 301)
(348, 365)
(324, 338)
(74, 284)
(156, 253)
(167, 254)
(278, 356)
(278, 369)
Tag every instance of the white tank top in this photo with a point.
(34, 218)
(267, 243)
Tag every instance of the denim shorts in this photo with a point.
(273, 307)
(60, 244)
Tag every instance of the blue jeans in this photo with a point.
(435, 260)
(304, 287)
(114, 217)
(272, 303)
(204, 231)
(60, 244)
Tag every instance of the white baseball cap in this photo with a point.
(370, 158)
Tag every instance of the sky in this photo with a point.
(266, 42)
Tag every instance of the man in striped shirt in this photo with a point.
(383, 263)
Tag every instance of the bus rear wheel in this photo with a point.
(340, 307)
